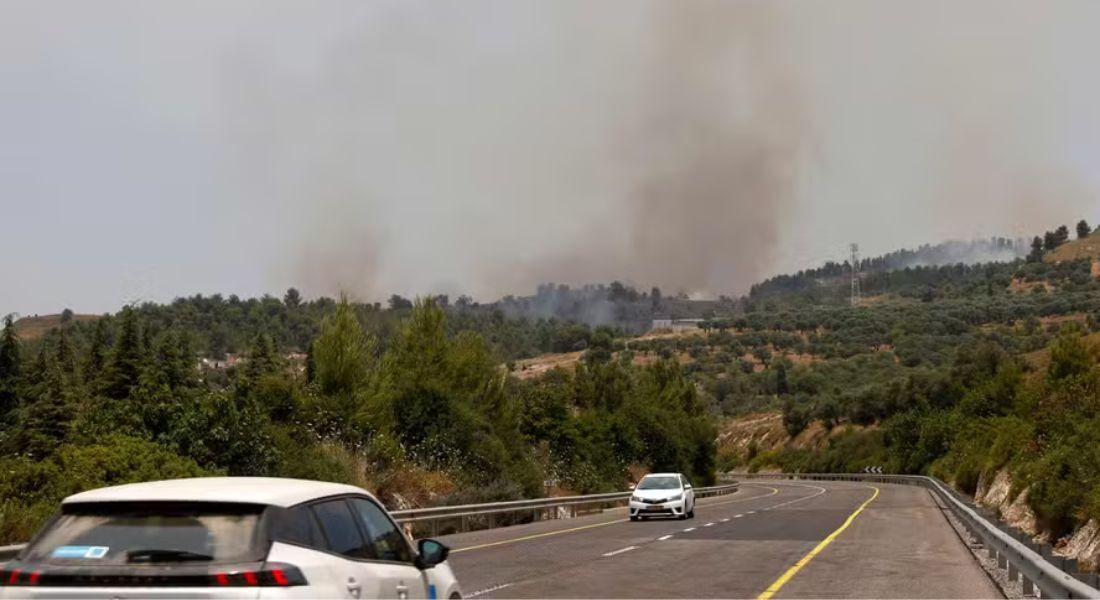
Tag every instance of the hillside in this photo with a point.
(32, 328)
(1087, 248)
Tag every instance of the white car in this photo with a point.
(662, 495)
(227, 537)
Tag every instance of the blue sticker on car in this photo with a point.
(431, 591)
(80, 552)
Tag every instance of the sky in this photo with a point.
(156, 150)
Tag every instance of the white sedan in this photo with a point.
(227, 537)
(662, 495)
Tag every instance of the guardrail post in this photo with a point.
(1013, 572)
(1028, 587)
(1002, 560)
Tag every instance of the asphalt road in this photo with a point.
(769, 540)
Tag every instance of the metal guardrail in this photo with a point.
(1055, 576)
(468, 517)
(9, 552)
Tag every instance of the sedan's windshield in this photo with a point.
(99, 534)
(660, 483)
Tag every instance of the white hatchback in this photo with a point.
(227, 537)
(662, 495)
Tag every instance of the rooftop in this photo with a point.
(272, 491)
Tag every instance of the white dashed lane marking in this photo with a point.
(689, 530)
(487, 590)
(664, 537)
(726, 520)
(620, 551)
(709, 525)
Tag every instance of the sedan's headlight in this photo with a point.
(635, 499)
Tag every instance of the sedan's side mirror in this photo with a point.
(632, 486)
(687, 486)
(431, 553)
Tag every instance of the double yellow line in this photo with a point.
(791, 572)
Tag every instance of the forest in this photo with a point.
(402, 401)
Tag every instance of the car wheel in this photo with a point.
(633, 518)
(682, 516)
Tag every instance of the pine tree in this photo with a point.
(262, 359)
(96, 359)
(10, 367)
(66, 355)
(1083, 229)
(1036, 250)
(45, 422)
(125, 368)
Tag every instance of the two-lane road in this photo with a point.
(781, 539)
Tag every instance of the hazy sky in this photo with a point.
(156, 149)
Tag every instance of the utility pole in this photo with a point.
(855, 274)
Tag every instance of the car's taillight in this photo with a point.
(18, 577)
(272, 575)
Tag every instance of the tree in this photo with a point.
(1083, 229)
(45, 421)
(1036, 250)
(96, 358)
(1061, 235)
(262, 359)
(341, 352)
(67, 314)
(399, 303)
(66, 355)
(1050, 240)
(655, 297)
(10, 366)
(292, 299)
(125, 368)
(781, 386)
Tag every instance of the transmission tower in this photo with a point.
(855, 274)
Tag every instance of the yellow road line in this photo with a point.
(592, 526)
(785, 577)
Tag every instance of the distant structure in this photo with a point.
(856, 292)
(676, 325)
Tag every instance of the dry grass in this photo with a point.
(30, 328)
(1076, 250)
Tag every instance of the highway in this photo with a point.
(769, 540)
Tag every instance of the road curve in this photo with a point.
(769, 540)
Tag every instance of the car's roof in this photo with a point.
(662, 475)
(273, 491)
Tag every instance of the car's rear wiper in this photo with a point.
(161, 555)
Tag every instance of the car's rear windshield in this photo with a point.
(104, 533)
(659, 483)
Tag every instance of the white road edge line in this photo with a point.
(664, 537)
(620, 551)
(488, 590)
